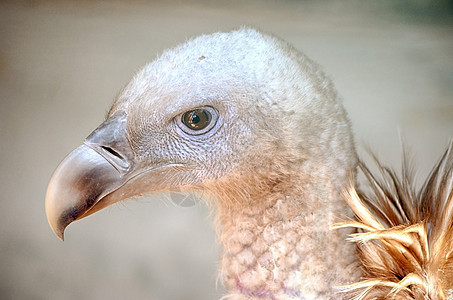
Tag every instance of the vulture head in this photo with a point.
(249, 123)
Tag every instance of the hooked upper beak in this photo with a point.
(93, 176)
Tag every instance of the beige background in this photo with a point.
(61, 64)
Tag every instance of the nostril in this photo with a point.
(112, 152)
(117, 160)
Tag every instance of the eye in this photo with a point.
(198, 121)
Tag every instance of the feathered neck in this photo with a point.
(276, 238)
(405, 240)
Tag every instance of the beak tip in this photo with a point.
(58, 229)
(55, 221)
(60, 235)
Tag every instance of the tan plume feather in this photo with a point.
(404, 238)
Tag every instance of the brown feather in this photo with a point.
(404, 238)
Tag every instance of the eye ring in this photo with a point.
(198, 121)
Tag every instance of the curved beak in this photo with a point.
(90, 177)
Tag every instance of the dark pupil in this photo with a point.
(196, 119)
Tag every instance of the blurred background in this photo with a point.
(63, 62)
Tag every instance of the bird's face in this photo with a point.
(171, 128)
(222, 113)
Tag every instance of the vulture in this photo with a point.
(254, 127)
